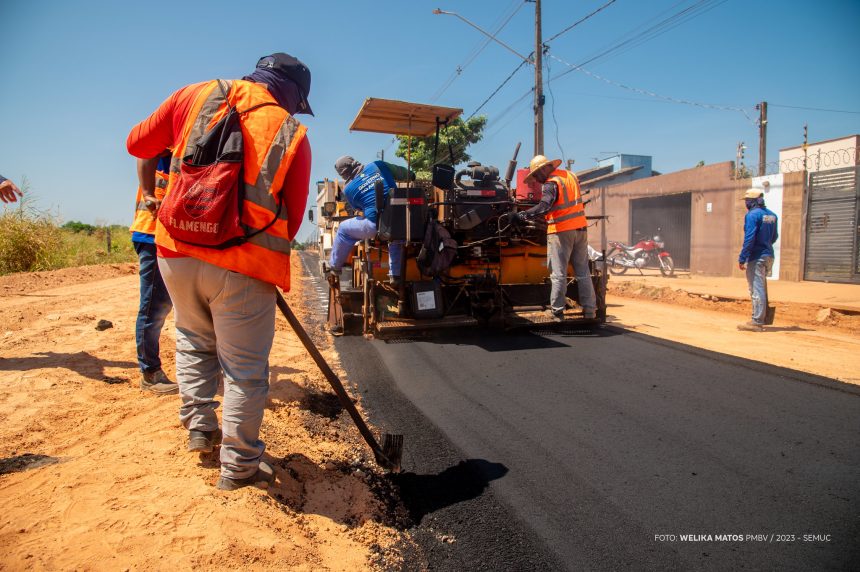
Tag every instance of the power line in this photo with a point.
(507, 79)
(642, 37)
(552, 108)
(516, 6)
(813, 108)
(580, 21)
(647, 92)
(656, 30)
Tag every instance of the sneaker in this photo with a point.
(203, 441)
(157, 382)
(750, 327)
(264, 477)
(556, 315)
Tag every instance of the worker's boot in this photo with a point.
(555, 315)
(203, 441)
(264, 477)
(750, 327)
(157, 382)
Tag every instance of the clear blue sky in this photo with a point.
(77, 75)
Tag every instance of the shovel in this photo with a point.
(390, 454)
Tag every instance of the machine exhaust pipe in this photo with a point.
(512, 166)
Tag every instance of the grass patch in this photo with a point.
(27, 242)
(31, 240)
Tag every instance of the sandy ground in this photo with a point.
(109, 485)
(813, 338)
(94, 475)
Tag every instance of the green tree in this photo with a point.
(460, 134)
(77, 226)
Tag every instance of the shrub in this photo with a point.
(28, 242)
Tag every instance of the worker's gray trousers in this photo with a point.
(563, 247)
(225, 323)
(757, 271)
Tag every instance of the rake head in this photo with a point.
(392, 452)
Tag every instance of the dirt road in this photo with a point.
(805, 337)
(117, 489)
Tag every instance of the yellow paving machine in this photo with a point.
(465, 263)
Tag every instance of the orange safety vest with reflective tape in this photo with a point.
(271, 138)
(144, 221)
(568, 212)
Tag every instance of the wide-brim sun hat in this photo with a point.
(539, 162)
(753, 193)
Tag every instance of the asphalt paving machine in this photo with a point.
(465, 263)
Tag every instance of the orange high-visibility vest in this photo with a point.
(568, 212)
(271, 138)
(143, 220)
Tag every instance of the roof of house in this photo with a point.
(609, 176)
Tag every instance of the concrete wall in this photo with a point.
(821, 156)
(713, 212)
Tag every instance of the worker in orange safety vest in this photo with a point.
(567, 236)
(155, 302)
(224, 295)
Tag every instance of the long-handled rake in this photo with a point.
(390, 454)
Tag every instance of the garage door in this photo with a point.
(668, 216)
(832, 226)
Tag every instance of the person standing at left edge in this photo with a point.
(9, 190)
(155, 302)
(223, 292)
(756, 257)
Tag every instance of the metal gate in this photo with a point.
(668, 216)
(832, 226)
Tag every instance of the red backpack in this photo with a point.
(204, 206)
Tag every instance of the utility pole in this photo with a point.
(739, 162)
(538, 107)
(762, 137)
(381, 155)
(805, 145)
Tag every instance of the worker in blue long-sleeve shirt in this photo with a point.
(756, 257)
(361, 195)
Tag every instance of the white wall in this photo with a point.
(771, 185)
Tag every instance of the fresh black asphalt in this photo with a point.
(542, 451)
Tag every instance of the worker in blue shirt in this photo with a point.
(361, 195)
(756, 257)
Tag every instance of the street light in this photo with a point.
(492, 37)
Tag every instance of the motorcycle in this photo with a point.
(621, 256)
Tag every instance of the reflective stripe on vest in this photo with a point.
(271, 144)
(143, 220)
(568, 211)
(258, 194)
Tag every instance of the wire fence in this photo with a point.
(811, 161)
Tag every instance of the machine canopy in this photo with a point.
(401, 117)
